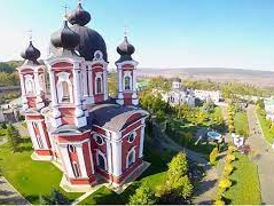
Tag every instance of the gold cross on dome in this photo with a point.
(66, 11)
(125, 31)
(29, 34)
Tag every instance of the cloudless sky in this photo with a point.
(165, 33)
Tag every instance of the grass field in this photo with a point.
(241, 124)
(30, 178)
(269, 136)
(245, 188)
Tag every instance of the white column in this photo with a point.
(22, 84)
(76, 86)
(90, 83)
(91, 158)
(117, 157)
(120, 97)
(43, 136)
(66, 160)
(80, 154)
(109, 157)
(134, 95)
(85, 81)
(120, 81)
(142, 134)
(52, 88)
(32, 136)
(105, 79)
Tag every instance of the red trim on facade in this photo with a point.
(72, 138)
(90, 181)
(44, 152)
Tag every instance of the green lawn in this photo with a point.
(269, 136)
(241, 124)
(245, 188)
(30, 178)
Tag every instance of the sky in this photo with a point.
(165, 33)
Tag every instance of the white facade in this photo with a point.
(206, 95)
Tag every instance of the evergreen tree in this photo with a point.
(177, 187)
(143, 196)
(13, 137)
(55, 198)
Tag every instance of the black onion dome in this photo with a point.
(125, 49)
(31, 53)
(79, 16)
(65, 38)
(90, 42)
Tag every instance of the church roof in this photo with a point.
(113, 116)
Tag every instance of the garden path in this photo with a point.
(9, 195)
(205, 192)
(264, 157)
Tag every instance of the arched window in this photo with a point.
(130, 158)
(75, 169)
(127, 83)
(29, 86)
(66, 95)
(99, 85)
(37, 134)
(101, 162)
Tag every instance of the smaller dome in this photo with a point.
(79, 16)
(31, 53)
(125, 48)
(65, 38)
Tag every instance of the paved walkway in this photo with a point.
(264, 157)
(9, 195)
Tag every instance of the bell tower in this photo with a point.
(65, 74)
(126, 67)
(32, 79)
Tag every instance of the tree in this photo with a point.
(177, 188)
(55, 198)
(213, 156)
(13, 137)
(208, 106)
(143, 196)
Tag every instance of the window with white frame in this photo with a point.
(71, 148)
(99, 85)
(130, 158)
(29, 85)
(131, 137)
(37, 135)
(101, 163)
(64, 88)
(127, 83)
(75, 169)
(98, 139)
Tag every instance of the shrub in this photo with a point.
(228, 169)
(219, 202)
(225, 183)
(230, 158)
(231, 149)
(213, 156)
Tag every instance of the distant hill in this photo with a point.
(254, 77)
(10, 66)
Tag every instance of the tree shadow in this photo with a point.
(6, 193)
(206, 185)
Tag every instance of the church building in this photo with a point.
(71, 119)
